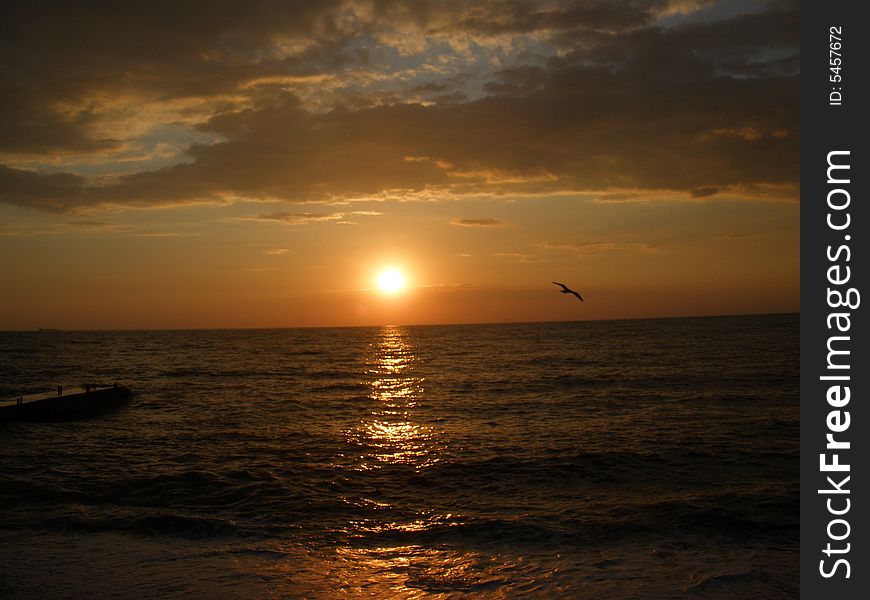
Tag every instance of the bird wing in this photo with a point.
(564, 287)
(579, 297)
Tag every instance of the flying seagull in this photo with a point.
(567, 290)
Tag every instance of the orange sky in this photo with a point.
(259, 167)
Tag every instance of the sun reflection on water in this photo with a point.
(415, 572)
(392, 433)
(386, 555)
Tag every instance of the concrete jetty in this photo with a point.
(57, 406)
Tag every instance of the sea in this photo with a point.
(610, 459)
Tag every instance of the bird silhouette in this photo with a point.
(567, 290)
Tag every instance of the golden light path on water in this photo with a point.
(393, 434)
(386, 552)
(390, 433)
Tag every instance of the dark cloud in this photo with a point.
(518, 16)
(93, 224)
(54, 193)
(8, 229)
(300, 218)
(29, 125)
(477, 222)
(173, 47)
(704, 192)
(519, 256)
(697, 109)
(603, 247)
(59, 54)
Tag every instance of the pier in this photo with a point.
(57, 406)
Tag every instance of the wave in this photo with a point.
(731, 583)
(341, 386)
(240, 374)
(149, 522)
(599, 466)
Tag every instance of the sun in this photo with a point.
(391, 281)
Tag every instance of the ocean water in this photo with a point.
(620, 459)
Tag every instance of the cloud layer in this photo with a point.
(338, 101)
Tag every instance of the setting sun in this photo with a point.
(391, 281)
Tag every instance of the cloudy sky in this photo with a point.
(236, 164)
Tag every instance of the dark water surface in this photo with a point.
(621, 459)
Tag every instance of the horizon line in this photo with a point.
(460, 323)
